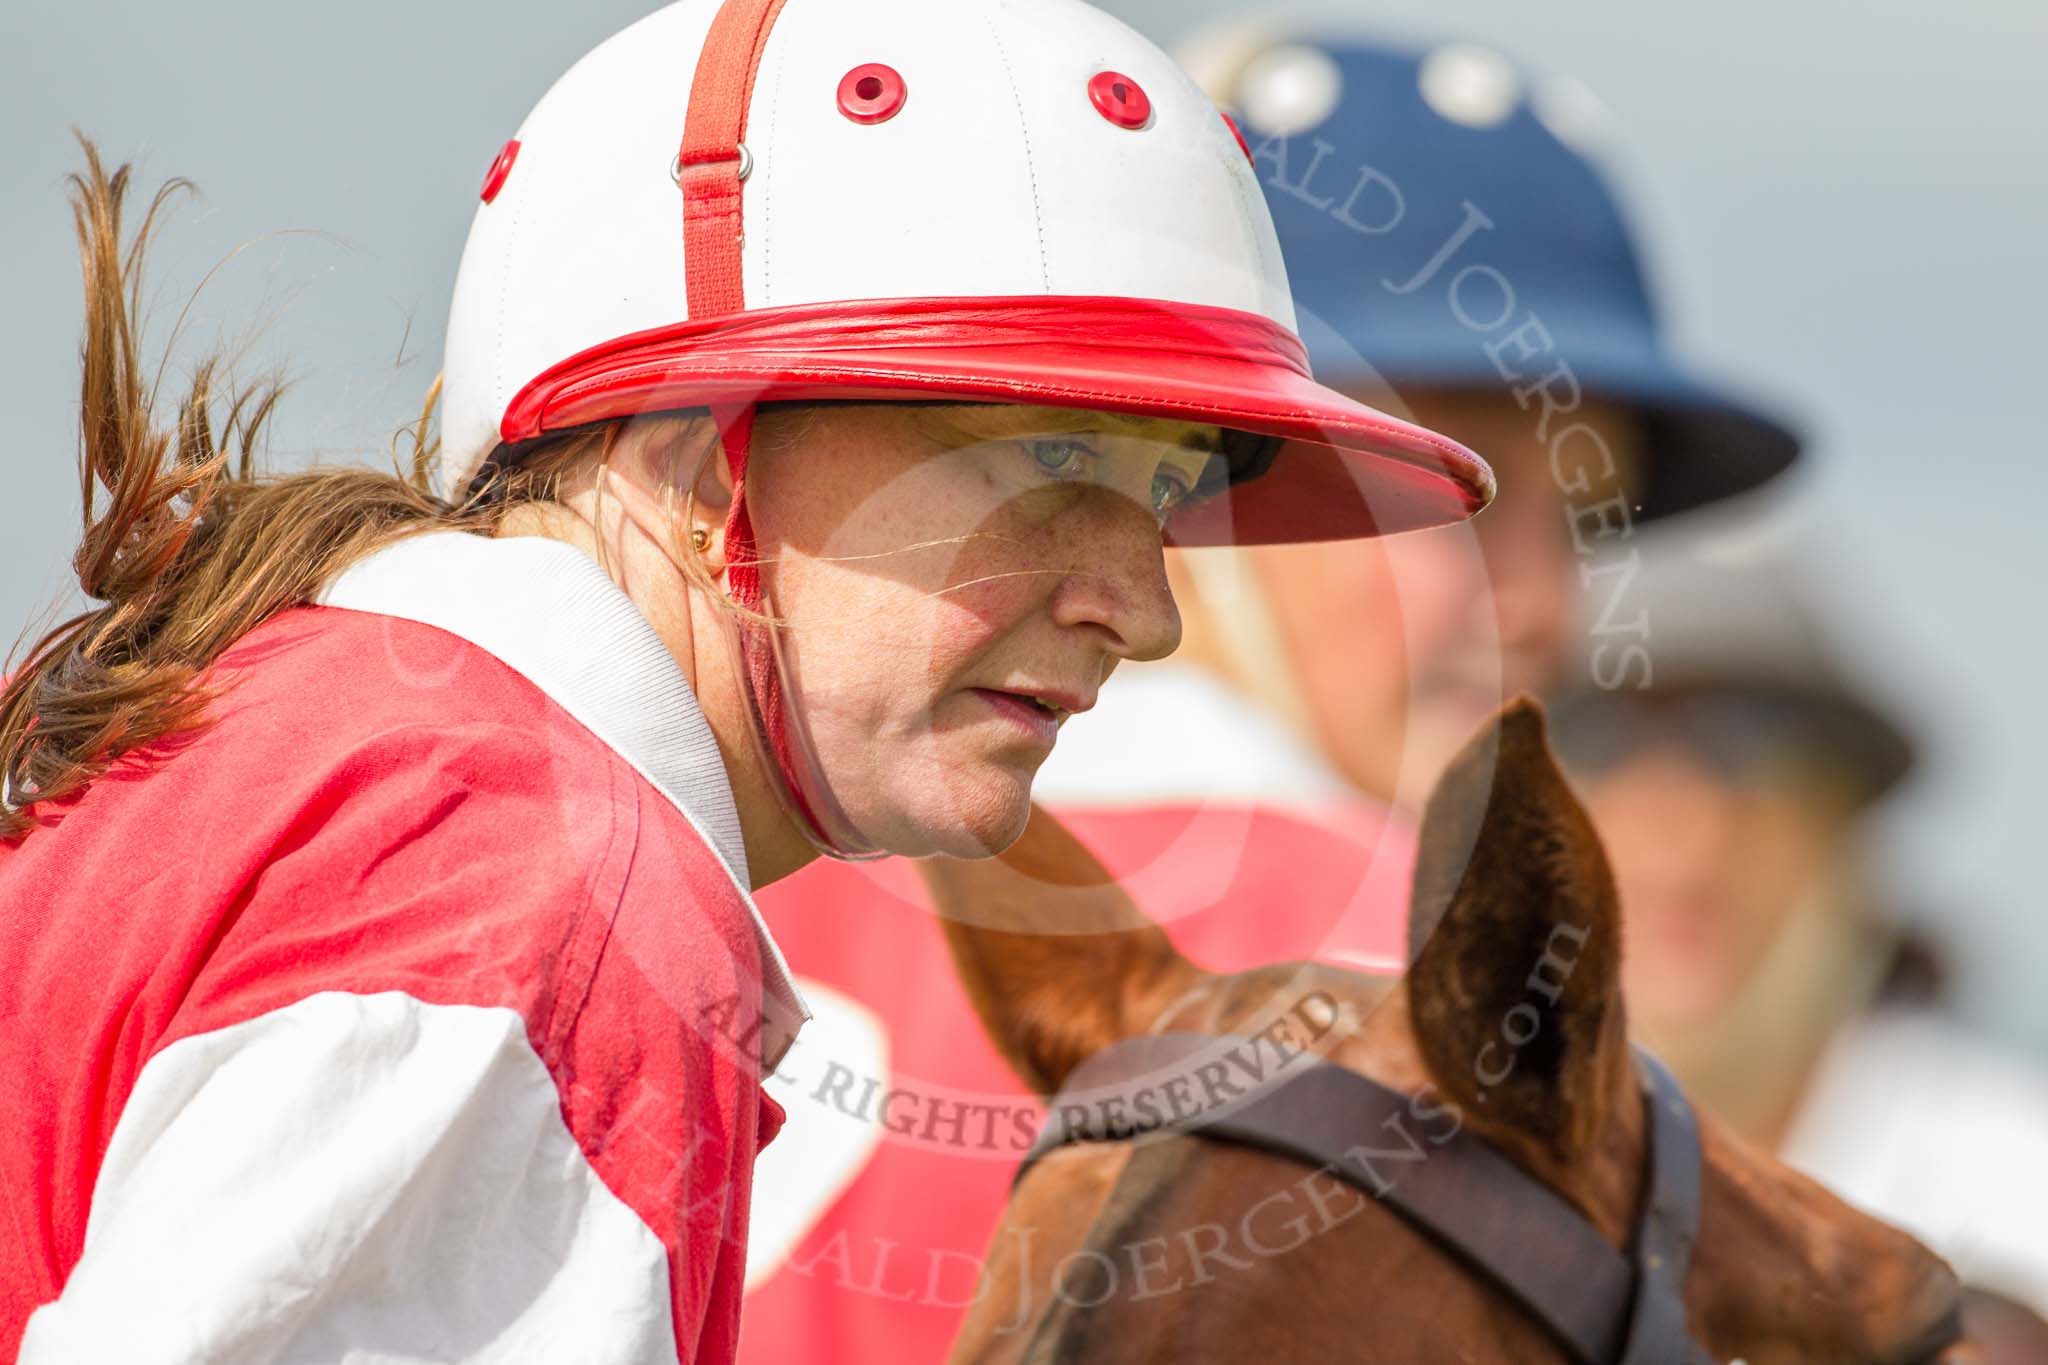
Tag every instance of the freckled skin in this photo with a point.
(913, 553)
(918, 553)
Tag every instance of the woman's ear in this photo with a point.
(652, 473)
(1514, 943)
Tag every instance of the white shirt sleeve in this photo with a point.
(359, 1178)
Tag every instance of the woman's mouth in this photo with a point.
(1040, 719)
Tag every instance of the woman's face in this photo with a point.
(957, 579)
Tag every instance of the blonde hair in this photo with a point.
(192, 548)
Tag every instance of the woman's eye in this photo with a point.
(1059, 454)
(1169, 490)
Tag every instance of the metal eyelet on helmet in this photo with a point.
(675, 168)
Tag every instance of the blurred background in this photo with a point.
(1847, 205)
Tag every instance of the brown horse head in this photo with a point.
(1508, 1026)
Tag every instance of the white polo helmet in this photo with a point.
(910, 199)
(975, 200)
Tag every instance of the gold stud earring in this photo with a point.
(699, 539)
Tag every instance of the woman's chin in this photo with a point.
(977, 814)
(978, 843)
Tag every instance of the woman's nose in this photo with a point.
(1117, 583)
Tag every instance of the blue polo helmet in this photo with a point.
(1439, 230)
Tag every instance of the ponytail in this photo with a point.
(187, 547)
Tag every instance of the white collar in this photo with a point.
(549, 612)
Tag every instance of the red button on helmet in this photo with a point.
(494, 179)
(871, 93)
(1122, 100)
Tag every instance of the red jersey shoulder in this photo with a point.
(469, 841)
(372, 804)
(376, 807)
(436, 823)
(320, 680)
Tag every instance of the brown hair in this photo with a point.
(193, 548)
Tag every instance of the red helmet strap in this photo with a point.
(756, 637)
(713, 232)
(709, 159)
(709, 172)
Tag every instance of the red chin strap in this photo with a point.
(765, 669)
(742, 558)
(743, 586)
(708, 171)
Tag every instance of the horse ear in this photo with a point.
(1514, 942)
(1058, 961)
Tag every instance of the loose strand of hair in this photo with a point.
(186, 545)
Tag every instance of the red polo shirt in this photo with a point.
(415, 1005)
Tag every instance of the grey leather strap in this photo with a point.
(1468, 1197)
(1667, 1226)
(1603, 1308)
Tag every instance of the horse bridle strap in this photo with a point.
(1604, 1307)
